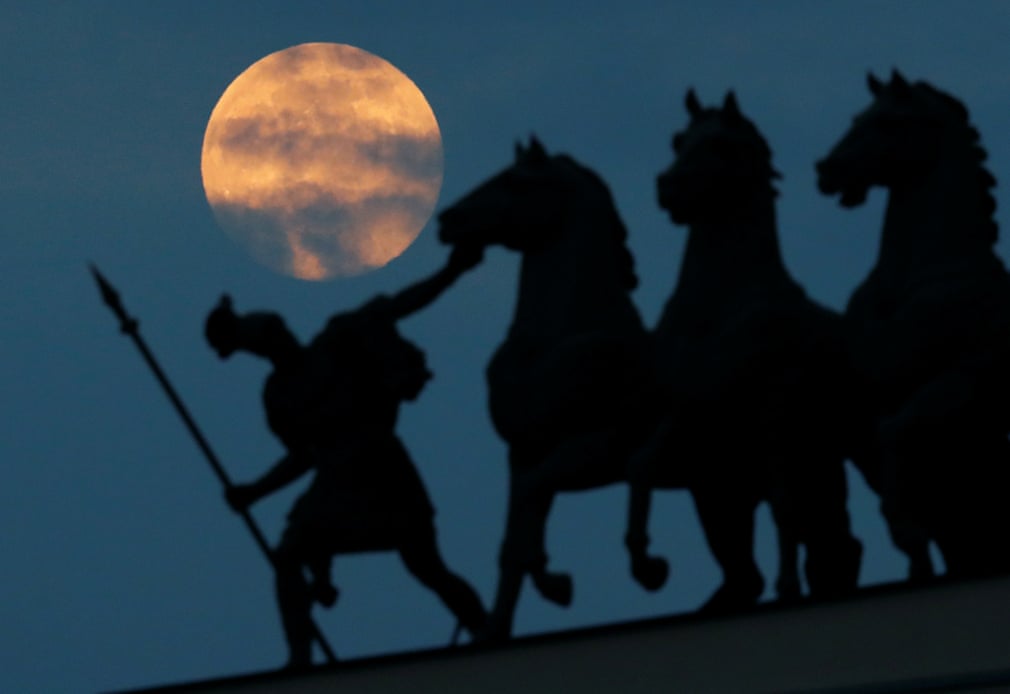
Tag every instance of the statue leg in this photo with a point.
(422, 558)
(294, 599)
(649, 571)
(323, 590)
(969, 514)
(787, 585)
(522, 552)
(726, 512)
(911, 538)
(588, 460)
(817, 490)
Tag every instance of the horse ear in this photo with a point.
(520, 152)
(692, 103)
(898, 82)
(536, 152)
(730, 107)
(875, 85)
(225, 302)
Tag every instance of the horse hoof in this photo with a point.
(555, 587)
(650, 572)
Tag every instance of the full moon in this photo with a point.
(322, 160)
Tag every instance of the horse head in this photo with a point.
(721, 160)
(522, 206)
(518, 207)
(895, 141)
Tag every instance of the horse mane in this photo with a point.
(615, 223)
(955, 114)
(985, 179)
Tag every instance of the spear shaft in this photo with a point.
(130, 326)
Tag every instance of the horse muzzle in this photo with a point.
(832, 180)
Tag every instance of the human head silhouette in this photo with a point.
(260, 332)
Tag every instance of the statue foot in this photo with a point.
(297, 666)
(734, 597)
(650, 572)
(494, 631)
(787, 588)
(299, 657)
(325, 594)
(556, 587)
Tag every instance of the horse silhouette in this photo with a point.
(574, 356)
(929, 327)
(752, 374)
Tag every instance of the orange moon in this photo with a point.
(322, 160)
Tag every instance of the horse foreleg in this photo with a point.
(912, 541)
(907, 529)
(727, 518)
(530, 528)
(649, 571)
(522, 552)
(787, 585)
(585, 461)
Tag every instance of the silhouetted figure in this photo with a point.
(929, 328)
(333, 404)
(751, 373)
(574, 354)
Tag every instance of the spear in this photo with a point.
(130, 326)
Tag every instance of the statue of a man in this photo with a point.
(333, 404)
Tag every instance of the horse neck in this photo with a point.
(937, 220)
(576, 283)
(727, 256)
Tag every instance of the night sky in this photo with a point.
(122, 567)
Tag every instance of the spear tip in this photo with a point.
(111, 298)
(99, 277)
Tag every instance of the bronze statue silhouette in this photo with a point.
(929, 328)
(574, 355)
(751, 374)
(333, 403)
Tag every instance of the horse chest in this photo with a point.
(906, 330)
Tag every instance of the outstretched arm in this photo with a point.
(420, 294)
(287, 470)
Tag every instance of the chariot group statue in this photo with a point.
(745, 391)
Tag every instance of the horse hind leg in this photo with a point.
(650, 571)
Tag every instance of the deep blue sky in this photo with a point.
(121, 565)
